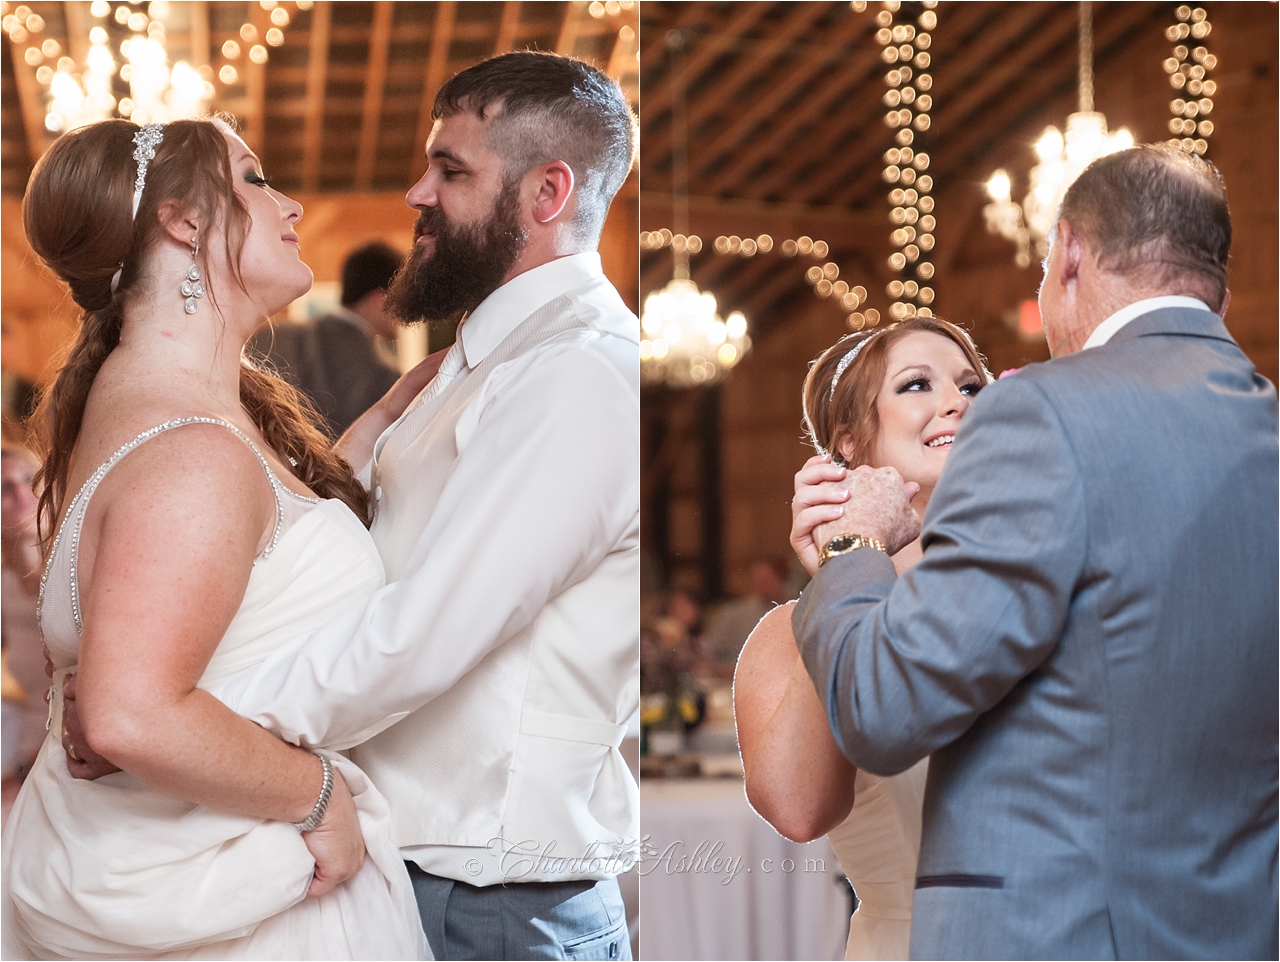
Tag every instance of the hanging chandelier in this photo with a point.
(1063, 157)
(684, 342)
(79, 93)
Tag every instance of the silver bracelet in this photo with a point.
(322, 803)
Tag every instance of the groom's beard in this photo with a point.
(467, 265)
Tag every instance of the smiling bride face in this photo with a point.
(898, 401)
(927, 387)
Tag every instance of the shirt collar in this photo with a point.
(506, 308)
(352, 318)
(1108, 328)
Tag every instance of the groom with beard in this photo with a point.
(485, 690)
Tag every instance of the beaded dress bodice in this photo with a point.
(59, 612)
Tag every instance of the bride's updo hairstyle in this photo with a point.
(77, 218)
(847, 415)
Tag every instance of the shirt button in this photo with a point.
(377, 493)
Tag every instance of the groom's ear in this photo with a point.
(552, 189)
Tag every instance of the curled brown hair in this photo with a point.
(849, 413)
(77, 216)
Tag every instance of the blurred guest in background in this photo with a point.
(341, 361)
(18, 392)
(24, 677)
(729, 625)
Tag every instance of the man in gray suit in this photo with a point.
(335, 359)
(1088, 650)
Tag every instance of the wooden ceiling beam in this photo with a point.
(1026, 89)
(31, 99)
(255, 86)
(653, 52)
(720, 93)
(375, 83)
(827, 99)
(622, 57)
(507, 27)
(745, 124)
(658, 95)
(1030, 33)
(437, 68)
(79, 21)
(317, 69)
(201, 51)
(567, 38)
(837, 118)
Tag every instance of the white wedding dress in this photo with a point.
(112, 869)
(878, 845)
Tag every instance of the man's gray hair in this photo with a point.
(546, 107)
(1157, 211)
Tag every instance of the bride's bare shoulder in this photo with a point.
(193, 458)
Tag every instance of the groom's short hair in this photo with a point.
(1157, 212)
(547, 107)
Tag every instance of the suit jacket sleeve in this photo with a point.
(905, 666)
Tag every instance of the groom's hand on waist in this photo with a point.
(879, 507)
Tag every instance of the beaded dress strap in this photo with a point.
(78, 507)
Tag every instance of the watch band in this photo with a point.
(844, 543)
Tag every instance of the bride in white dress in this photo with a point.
(889, 397)
(212, 523)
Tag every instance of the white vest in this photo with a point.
(524, 748)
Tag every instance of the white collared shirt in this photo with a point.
(1108, 328)
(509, 532)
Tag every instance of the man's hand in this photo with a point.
(819, 499)
(337, 844)
(82, 762)
(879, 507)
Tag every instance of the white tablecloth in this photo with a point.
(717, 882)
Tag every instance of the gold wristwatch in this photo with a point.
(844, 543)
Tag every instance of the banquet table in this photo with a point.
(717, 882)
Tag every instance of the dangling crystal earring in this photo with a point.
(192, 287)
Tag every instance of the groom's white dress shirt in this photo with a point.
(504, 651)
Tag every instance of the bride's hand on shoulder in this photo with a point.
(411, 384)
(356, 444)
(337, 843)
(819, 499)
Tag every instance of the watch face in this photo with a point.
(840, 542)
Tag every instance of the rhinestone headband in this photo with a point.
(147, 139)
(840, 369)
(849, 359)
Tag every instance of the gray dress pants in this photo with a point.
(522, 920)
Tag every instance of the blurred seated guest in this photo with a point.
(19, 394)
(25, 680)
(334, 360)
(671, 700)
(729, 626)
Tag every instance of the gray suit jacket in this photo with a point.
(1089, 652)
(332, 362)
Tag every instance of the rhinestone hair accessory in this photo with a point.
(840, 369)
(146, 140)
(850, 357)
